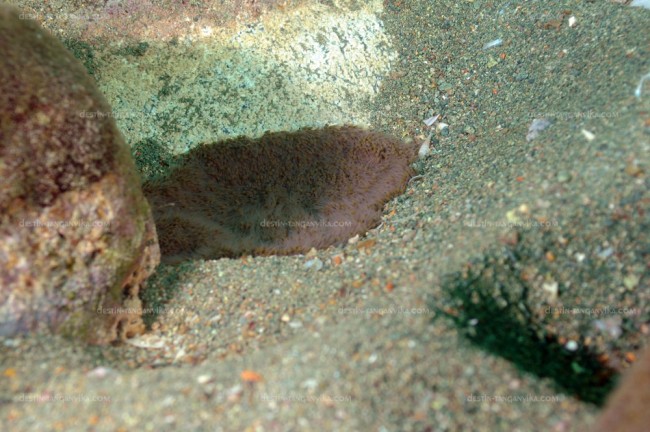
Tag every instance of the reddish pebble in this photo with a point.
(251, 376)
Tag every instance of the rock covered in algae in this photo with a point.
(283, 193)
(77, 238)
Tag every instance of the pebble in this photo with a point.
(606, 253)
(551, 288)
(425, 148)
(314, 263)
(537, 126)
(11, 343)
(310, 383)
(147, 341)
(563, 176)
(101, 372)
(204, 379)
(632, 169)
(571, 345)
(630, 281)
(610, 326)
(408, 235)
(234, 392)
(588, 135)
(353, 240)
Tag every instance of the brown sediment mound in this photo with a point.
(76, 234)
(283, 193)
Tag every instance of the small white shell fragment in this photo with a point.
(440, 126)
(589, 135)
(310, 383)
(431, 120)
(314, 263)
(353, 240)
(637, 91)
(425, 149)
(206, 31)
(147, 341)
(100, 372)
(536, 126)
(491, 44)
(179, 355)
(551, 289)
(572, 21)
(571, 345)
(204, 379)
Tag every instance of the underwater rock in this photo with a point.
(283, 193)
(627, 408)
(76, 235)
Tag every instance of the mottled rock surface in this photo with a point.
(627, 408)
(281, 194)
(76, 234)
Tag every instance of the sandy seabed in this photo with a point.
(398, 329)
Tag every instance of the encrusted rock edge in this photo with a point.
(77, 237)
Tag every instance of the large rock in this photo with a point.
(76, 235)
(627, 407)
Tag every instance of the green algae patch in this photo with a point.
(85, 53)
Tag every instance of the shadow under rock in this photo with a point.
(162, 287)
